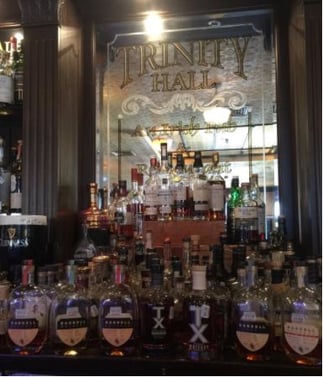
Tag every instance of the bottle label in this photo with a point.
(252, 335)
(216, 200)
(117, 326)
(15, 200)
(24, 327)
(302, 338)
(71, 328)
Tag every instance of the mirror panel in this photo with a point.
(156, 90)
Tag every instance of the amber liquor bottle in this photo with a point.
(28, 315)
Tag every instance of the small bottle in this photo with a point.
(252, 320)
(156, 316)
(118, 317)
(16, 182)
(217, 188)
(232, 202)
(302, 321)
(28, 315)
(70, 314)
(85, 249)
(204, 320)
(136, 201)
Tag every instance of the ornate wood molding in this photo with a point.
(39, 12)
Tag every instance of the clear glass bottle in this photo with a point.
(204, 320)
(118, 317)
(165, 190)
(136, 201)
(156, 315)
(200, 189)
(246, 217)
(216, 190)
(85, 249)
(255, 195)
(28, 315)
(70, 314)
(186, 262)
(232, 202)
(151, 192)
(252, 320)
(302, 321)
(181, 190)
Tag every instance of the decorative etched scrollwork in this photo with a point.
(182, 101)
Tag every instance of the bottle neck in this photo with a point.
(119, 274)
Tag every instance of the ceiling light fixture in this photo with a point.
(154, 25)
(217, 115)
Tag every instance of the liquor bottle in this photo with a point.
(85, 249)
(168, 272)
(16, 182)
(204, 320)
(156, 315)
(165, 191)
(252, 320)
(216, 190)
(4, 180)
(136, 201)
(70, 314)
(28, 315)
(220, 274)
(302, 321)
(151, 192)
(118, 317)
(200, 189)
(181, 190)
(256, 196)
(122, 212)
(246, 217)
(232, 202)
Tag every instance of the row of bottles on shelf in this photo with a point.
(153, 303)
(10, 179)
(11, 70)
(182, 192)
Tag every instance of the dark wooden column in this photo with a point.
(52, 117)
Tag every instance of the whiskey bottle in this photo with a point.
(181, 190)
(70, 315)
(28, 315)
(216, 190)
(302, 321)
(165, 191)
(118, 317)
(246, 217)
(204, 320)
(252, 320)
(156, 315)
(151, 192)
(200, 189)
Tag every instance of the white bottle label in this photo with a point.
(117, 326)
(302, 338)
(253, 335)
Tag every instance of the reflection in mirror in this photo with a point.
(206, 83)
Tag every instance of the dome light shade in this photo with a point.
(217, 115)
